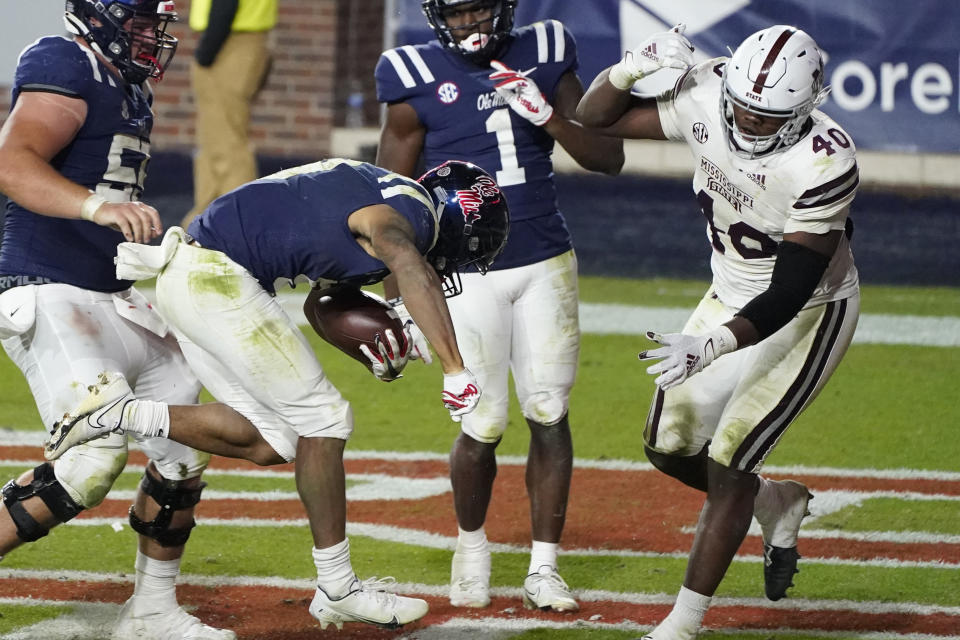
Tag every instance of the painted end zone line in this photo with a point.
(633, 614)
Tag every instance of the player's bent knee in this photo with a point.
(172, 496)
(690, 470)
(544, 408)
(87, 472)
(45, 486)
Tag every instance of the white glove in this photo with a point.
(461, 393)
(663, 50)
(685, 355)
(521, 93)
(391, 357)
(420, 347)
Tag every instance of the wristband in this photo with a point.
(620, 77)
(89, 207)
(723, 340)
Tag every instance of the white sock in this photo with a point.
(147, 417)
(155, 585)
(543, 554)
(334, 571)
(689, 609)
(472, 541)
(761, 502)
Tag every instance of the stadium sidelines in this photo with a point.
(622, 319)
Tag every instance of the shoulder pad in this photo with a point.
(404, 71)
(554, 43)
(58, 65)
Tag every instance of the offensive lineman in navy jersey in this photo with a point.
(500, 98)
(73, 155)
(334, 222)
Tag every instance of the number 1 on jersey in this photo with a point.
(511, 173)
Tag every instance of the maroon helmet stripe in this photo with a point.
(771, 58)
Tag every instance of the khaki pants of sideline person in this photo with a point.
(223, 93)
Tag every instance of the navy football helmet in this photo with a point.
(477, 47)
(131, 34)
(473, 220)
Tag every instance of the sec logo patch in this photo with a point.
(448, 92)
(700, 132)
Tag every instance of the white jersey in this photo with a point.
(750, 203)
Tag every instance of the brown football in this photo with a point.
(348, 317)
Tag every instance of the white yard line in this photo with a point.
(14, 437)
(624, 319)
(416, 537)
(586, 595)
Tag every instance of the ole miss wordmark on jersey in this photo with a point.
(465, 119)
(108, 155)
(750, 203)
(292, 225)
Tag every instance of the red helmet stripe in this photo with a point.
(771, 58)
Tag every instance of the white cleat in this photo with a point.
(546, 590)
(169, 625)
(368, 602)
(780, 513)
(97, 415)
(667, 631)
(470, 580)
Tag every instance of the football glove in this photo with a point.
(663, 50)
(461, 393)
(521, 93)
(420, 348)
(685, 355)
(390, 358)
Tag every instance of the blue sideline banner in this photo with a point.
(894, 66)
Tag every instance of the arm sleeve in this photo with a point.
(211, 41)
(796, 274)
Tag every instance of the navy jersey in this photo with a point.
(108, 155)
(465, 119)
(293, 224)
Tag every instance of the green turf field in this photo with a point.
(889, 407)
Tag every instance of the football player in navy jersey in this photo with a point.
(334, 222)
(775, 178)
(73, 155)
(501, 98)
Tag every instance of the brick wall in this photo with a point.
(324, 50)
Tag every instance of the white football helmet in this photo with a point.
(776, 72)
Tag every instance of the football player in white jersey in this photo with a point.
(774, 178)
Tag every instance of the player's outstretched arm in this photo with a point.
(608, 104)
(591, 148)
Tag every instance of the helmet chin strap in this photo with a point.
(76, 26)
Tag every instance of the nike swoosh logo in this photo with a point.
(14, 311)
(103, 411)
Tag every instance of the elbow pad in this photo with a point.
(796, 274)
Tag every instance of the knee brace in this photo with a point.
(46, 487)
(171, 496)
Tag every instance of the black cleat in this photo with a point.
(779, 566)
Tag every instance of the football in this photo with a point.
(348, 317)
